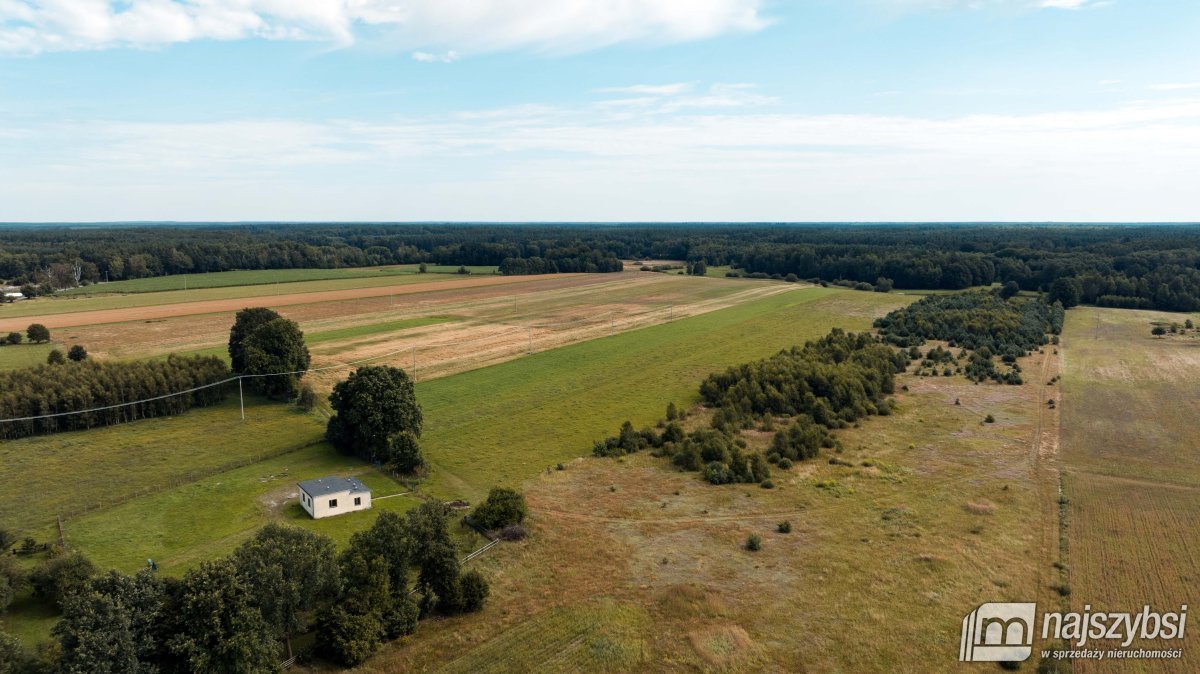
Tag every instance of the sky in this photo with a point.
(600, 110)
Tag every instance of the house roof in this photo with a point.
(333, 485)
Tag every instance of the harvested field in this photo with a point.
(1132, 470)
(167, 307)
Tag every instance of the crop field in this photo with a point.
(1132, 467)
(67, 311)
(451, 326)
(935, 513)
(225, 279)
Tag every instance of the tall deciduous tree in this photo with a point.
(288, 571)
(274, 348)
(370, 407)
(244, 324)
(220, 629)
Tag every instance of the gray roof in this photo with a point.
(333, 485)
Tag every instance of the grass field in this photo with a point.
(114, 464)
(226, 279)
(26, 354)
(1132, 468)
(563, 399)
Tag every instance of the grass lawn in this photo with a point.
(503, 424)
(13, 356)
(225, 279)
(73, 472)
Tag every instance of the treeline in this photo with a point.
(1111, 265)
(826, 384)
(73, 386)
(239, 614)
(63, 257)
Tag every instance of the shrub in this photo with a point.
(13, 338)
(785, 463)
(60, 577)
(754, 543)
(767, 484)
(989, 419)
(473, 591)
(77, 353)
(503, 507)
(785, 527)
(307, 400)
(55, 357)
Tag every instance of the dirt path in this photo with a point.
(101, 316)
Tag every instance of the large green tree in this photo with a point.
(287, 571)
(220, 629)
(110, 625)
(244, 324)
(276, 347)
(370, 408)
(37, 332)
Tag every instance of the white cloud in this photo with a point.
(1131, 162)
(427, 57)
(675, 97)
(651, 89)
(32, 26)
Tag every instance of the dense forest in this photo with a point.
(1110, 265)
(71, 386)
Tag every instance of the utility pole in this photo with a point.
(241, 400)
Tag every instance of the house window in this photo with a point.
(357, 500)
(332, 503)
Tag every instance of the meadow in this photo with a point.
(1131, 467)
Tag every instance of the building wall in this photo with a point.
(320, 507)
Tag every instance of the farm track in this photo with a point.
(158, 311)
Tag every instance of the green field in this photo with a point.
(70, 473)
(14, 356)
(563, 400)
(225, 279)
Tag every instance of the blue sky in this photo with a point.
(794, 110)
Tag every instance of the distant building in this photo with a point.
(329, 496)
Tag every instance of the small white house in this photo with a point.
(329, 496)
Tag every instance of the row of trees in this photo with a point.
(73, 386)
(238, 614)
(827, 383)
